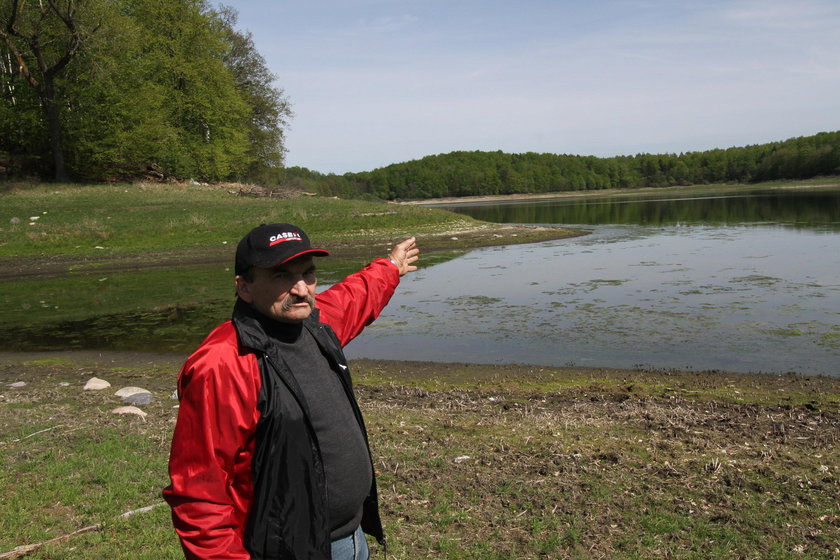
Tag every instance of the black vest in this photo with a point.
(289, 515)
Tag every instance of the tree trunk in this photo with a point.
(54, 124)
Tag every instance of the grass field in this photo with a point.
(98, 225)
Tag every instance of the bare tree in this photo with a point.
(43, 36)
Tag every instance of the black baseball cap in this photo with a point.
(271, 245)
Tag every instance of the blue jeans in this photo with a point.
(353, 547)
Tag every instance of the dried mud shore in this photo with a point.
(516, 461)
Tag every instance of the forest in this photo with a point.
(474, 173)
(107, 90)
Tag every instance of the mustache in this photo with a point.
(293, 300)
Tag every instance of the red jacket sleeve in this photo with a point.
(210, 460)
(352, 304)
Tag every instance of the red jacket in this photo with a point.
(210, 464)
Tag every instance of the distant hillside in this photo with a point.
(488, 173)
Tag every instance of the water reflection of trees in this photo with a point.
(802, 209)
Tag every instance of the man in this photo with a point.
(270, 457)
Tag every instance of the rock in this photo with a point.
(139, 399)
(135, 395)
(18, 384)
(462, 458)
(128, 391)
(96, 384)
(129, 410)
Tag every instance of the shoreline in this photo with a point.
(418, 370)
(613, 193)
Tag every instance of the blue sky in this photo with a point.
(375, 82)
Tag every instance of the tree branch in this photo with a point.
(11, 30)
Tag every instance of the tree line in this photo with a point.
(115, 89)
(474, 173)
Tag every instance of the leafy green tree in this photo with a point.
(162, 86)
(183, 54)
(118, 122)
(270, 110)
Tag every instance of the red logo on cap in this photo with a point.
(281, 237)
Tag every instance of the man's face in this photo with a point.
(285, 293)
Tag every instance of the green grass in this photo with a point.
(108, 221)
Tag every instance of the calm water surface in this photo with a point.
(738, 287)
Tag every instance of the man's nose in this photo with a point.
(300, 287)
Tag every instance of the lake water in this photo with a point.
(737, 283)
(747, 283)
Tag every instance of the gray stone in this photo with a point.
(139, 399)
(128, 391)
(18, 384)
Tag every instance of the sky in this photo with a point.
(376, 82)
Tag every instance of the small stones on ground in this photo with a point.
(129, 410)
(96, 384)
(139, 399)
(462, 458)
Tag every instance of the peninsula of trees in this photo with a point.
(478, 173)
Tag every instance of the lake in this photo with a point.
(746, 283)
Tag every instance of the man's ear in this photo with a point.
(243, 289)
